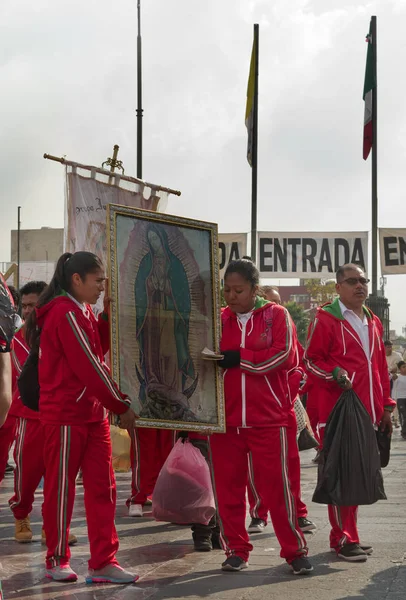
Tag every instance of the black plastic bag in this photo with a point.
(349, 472)
(28, 384)
(7, 317)
(306, 441)
(384, 441)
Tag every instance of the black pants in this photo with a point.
(198, 529)
(402, 414)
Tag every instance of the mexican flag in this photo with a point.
(369, 85)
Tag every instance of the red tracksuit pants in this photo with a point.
(267, 450)
(258, 509)
(67, 448)
(149, 451)
(29, 460)
(343, 521)
(7, 436)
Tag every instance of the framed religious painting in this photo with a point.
(165, 318)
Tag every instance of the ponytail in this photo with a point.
(68, 264)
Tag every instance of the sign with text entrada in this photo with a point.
(309, 255)
(392, 251)
(231, 247)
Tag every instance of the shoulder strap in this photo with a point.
(267, 315)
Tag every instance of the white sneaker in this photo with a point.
(135, 510)
(111, 574)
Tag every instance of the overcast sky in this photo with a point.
(68, 81)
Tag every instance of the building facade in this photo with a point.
(37, 245)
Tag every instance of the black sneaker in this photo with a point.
(305, 524)
(215, 541)
(352, 553)
(9, 469)
(301, 566)
(257, 526)
(367, 549)
(202, 544)
(234, 563)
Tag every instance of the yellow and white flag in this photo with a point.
(249, 112)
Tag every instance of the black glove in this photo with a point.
(231, 359)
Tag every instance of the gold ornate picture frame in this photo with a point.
(164, 276)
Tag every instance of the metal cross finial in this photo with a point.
(113, 163)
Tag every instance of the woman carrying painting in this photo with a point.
(258, 344)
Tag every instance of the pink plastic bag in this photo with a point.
(183, 492)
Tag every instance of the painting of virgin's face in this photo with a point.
(155, 241)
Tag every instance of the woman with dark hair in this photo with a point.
(259, 347)
(75, 391)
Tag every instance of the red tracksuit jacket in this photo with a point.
(256, 392)
(332, 345)
(75, 384)
(19, 354)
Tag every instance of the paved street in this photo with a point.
(169, 568)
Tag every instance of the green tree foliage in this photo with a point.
(300, 319)
(321, 292)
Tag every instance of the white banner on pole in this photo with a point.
(392, 247)
(309, 255)
(29, 271)
(86, 200)
(231, 247)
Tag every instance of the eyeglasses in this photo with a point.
(355, 280)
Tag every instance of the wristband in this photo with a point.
(387, 409)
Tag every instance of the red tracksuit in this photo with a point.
(258, 509)
(29, 446)
(76, 390)
(333, 344)
(257, 406)
(7, 437)
(149, 451)
(9, 429)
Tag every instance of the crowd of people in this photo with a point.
(265, 371)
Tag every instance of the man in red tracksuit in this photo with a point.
(345, 348)
(149, 450)
(258, 344)
(7, 331)
(28, 450)
(9, 428)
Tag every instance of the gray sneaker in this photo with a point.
(111, 574)
(61, 574)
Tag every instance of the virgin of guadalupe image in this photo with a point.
(163, 305)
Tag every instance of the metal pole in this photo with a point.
(254, 168)
(139, 110)
(18, 246)
(374, 164)
(113, 162)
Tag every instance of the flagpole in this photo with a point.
(254, 168)
(139, 110)
(18, 246)
(374, 187)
